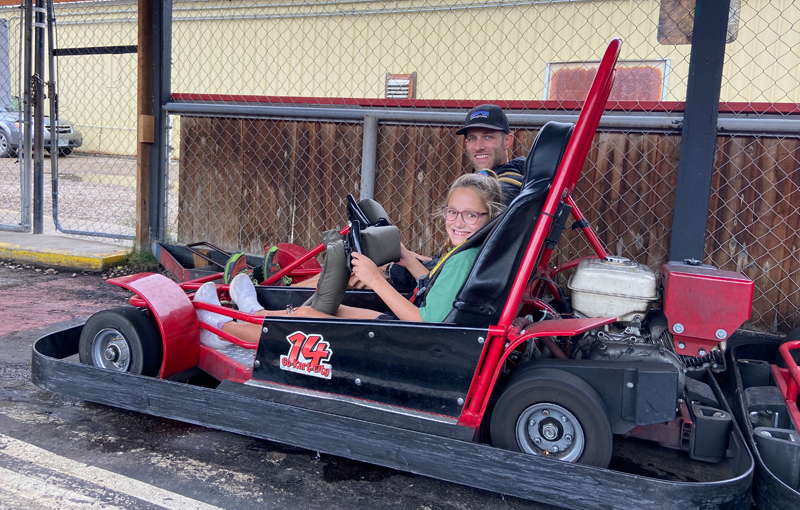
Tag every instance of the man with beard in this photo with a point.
(487, 142)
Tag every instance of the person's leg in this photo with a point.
(311, 282)
(207, 293)
(243, 293)
(344, 312)
(271, 313)
(351, 312)
(243, 330)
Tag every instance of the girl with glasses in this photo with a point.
(472, 201)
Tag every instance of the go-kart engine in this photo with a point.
(617, 287)
(644, 340)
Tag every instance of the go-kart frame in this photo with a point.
(428, 419)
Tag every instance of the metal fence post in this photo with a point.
(699, 134)
(162, 65)
(38, 121)
(27, 182)
(369, 153)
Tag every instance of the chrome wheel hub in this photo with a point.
(111, 351)
(550, 430)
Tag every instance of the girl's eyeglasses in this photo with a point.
(469, 217)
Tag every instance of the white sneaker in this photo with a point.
(243, 293)
(207, 293)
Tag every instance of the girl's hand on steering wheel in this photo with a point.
(406, 256)
(365, 270)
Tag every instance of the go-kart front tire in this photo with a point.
(122, 339)
(552, 413)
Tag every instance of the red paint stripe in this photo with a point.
(625, 106)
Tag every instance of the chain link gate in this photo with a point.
(12, 206)
(96, 80)
(95, 55)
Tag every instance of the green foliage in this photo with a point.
(140, 261)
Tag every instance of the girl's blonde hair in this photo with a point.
(487, 186)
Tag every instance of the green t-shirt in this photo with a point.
(440, 297)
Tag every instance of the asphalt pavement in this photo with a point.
(59, 452)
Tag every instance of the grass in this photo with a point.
(140, 260)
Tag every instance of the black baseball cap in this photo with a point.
(487, 116)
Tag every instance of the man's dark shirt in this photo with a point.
(511, 176)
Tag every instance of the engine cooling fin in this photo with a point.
(715, 359)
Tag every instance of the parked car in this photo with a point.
(11, 134)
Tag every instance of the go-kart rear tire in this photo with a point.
(123, 339)
(552, 413)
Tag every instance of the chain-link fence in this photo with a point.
(94, 53)
(11, 171)
(267, 130)
(753, 213)
(420, 55)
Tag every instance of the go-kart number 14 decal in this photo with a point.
(307, 354)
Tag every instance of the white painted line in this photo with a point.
(108, 479)
(44, 494)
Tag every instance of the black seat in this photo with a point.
(481, 299)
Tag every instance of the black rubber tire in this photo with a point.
(532, 386)
(5, 146)
(65, 151)
(139, 332)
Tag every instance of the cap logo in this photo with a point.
(480, 114)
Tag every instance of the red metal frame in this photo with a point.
(597, 246)
(788, 379)
(221, 367)
(466, 104)
(509, 339)
(565, 179)
(313, 253)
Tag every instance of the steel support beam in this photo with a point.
(162, 66)
(38, 119)
(699, 134)
(369, 156)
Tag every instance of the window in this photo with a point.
(636, 80)
(401, 86)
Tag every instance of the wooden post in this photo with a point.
(144, 110)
